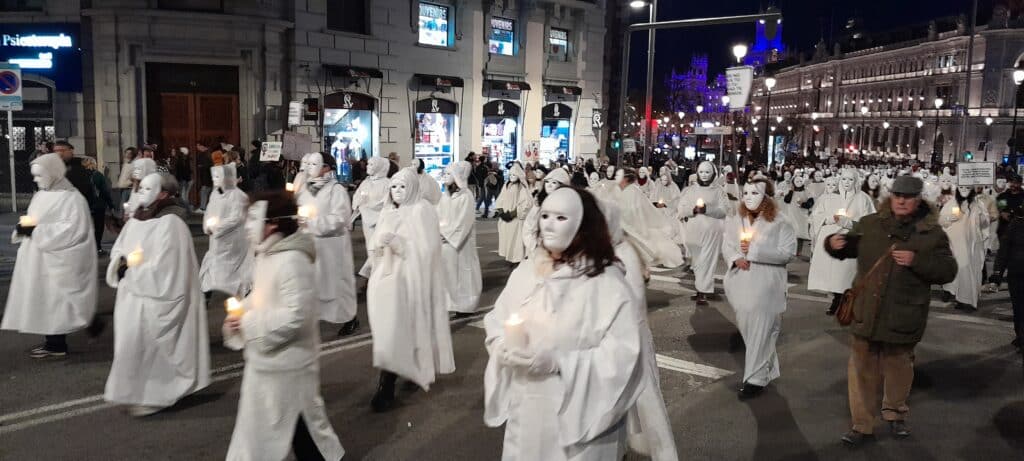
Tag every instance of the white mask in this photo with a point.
(560, 219)
(41, 178)
(137, 171)
(964, 191)
(313, 165)
(831, 185)
(149, 189)
(665, 180)
(217, 174)
(255, 222)
(946, 182)
(619, 175)
(399, 191)
(1001, 183)
(753, 195)
(610, 172)
(799, 181)
(705, 172)
(873, 182)
(848, 181)
(818, 176)
(643, 172)
(787, 175)
(448, 177)
(551, 186)
(594, 178)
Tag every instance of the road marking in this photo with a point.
(975, 320)
(665, 278)
(691, 368)
(223, 373)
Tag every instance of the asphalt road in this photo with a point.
(967, 402)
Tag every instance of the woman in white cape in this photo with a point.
(665, 194)
(161, 341)
(512, 207)
(648, 423)
(405, 296)
(226, 266)
(429, 187)
(565, 372)
(647, 228)
(368, 201)
(53, 287)
(276, 327)
(325, 212)
(703, 207)
(966, 221)
(460, 262)
(837, 214)
(757, 246)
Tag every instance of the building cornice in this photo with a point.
(213, 18)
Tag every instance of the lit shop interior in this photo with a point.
(350, 126)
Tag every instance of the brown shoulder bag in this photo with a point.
(844, 315)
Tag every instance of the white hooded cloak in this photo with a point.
(589, 326)
(369, 199)
(703, 233)
(967, 237)
(648, 229)
(405, 296)
(827, 273)
(457, 222)
(335, 271)
(161, 340)
(141, 167)
(431, 190)
(514, 197)
(227, 266)
(53, 288)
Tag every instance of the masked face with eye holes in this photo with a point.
(831, 185)
(560, 218)
(753, 195)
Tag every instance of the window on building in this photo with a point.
(558, 44)
(348, 16)
(435, 24)
(208, 6)
(21, 5)
(503, 34)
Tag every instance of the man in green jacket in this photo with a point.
(891, 311)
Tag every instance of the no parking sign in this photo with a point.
(10, 87)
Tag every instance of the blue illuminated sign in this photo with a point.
(50, 50)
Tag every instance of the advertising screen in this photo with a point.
(433, 24)
(49, 50)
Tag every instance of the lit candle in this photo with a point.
(515, 334)
(307, 211)
(134, 258)
(26, 221)
(700, 202)
(956, 211)
(211, 221)
(234, 307)
(841, 212)
(661, 201)
(289, 187)
(746, 236)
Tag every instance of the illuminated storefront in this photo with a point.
(350, 126)
(503, 123)
(556, 133)
(437, 134)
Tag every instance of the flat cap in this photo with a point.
(907, 185)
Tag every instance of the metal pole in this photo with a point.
(10, 157)
(1013, 132)
(767, 135)
(623, 89)
(967, 80)
(988, 140)
(650, 83)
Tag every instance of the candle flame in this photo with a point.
(289, 187)
(306, 211)
(212, 221)
(841, 212)
(700, 202)
(26, 221)
(514, 319)
(134, 258)
(746, 236)
(233, 307)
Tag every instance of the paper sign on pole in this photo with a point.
(739, 80)
(270, 151)
(629, 146)
(975, 174)
(10, 87)
(295, 113)
(295, 145)
(713, 130)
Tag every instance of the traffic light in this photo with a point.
(968, 156)
(616, 140)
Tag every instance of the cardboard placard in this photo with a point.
(975, 173)
(295, 145)
(270, 151)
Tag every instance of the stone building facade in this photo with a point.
(361, 77)
(822, 101)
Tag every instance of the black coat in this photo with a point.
(81, 178)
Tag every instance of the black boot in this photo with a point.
(349, 327)
(702, 299)
(836, 300)
(384, 399)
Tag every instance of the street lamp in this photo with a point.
(637, 4)
(988, 135)
(1018, 78)
(740, 51)
(863, 126)
(885, 127)
(681, 114)
(769, 84)
(938, 105)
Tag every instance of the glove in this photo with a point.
(535, 362)
(808, 204)
(25, 231)
(700, 210)
(122, 267)
(789, 197)
(116, 270)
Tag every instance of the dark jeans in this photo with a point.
(98, 224)
(56, 343)
(1015, 281)
(303, 446)
(483, 197)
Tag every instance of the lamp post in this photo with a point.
(844, 138)
(917, 142)
(814, 131)
(740, 51)
(885, 134)
(1018, 77)
(769, 83)
(863, 127)
(637, 4)
(700, 110)
(988, 135)
(936, 155)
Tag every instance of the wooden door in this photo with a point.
(217, 117)
(187, 118)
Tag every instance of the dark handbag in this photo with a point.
(844, 315)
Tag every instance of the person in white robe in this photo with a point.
(665, 193)
(593, 181)
(651, 232)
(428, 185)
(368, 201)
(405, 297)
(512, 207)
(161, 340)
(558, 178)
(227, 266)
(53, 287)
(459, 259)
(276, 327)
(703, 208)
(758, 244)
(837, 214)
(816, 186)
(141, 167)
(648, 423)
(643, 181)
(564, 344)
(966, 222)
(795, 204)
(325, 213)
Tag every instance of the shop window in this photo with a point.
(436, 25)
(18, 137)
(558, 45)
(21, 5)
(503, 33)
(207, 6)
(348, 16)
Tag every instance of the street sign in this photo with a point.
(295, 109)
(975, 173)
(629, 146)
(10, 87)
(739, 80)
(713, 130)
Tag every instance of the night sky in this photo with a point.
(804, 23)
